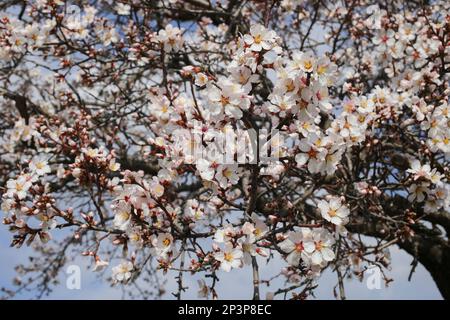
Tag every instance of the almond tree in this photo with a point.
(199, 136)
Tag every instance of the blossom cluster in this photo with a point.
(355, 132)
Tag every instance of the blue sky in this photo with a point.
(235, 285)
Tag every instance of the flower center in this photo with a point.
(318, 245)
(299, 247)
(228, 256)
(224, 100)
(290, 86)
(321, 70)
(124, 215)
(307, 64)
(247, 247)
(227, 173)
(303, 104)
(312, 153)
